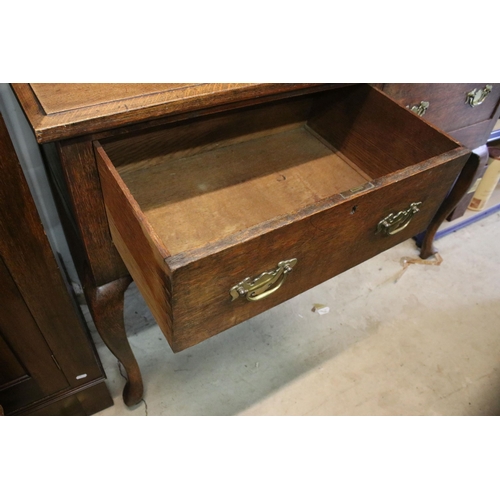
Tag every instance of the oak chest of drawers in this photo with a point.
(467, 111)
(222, 205)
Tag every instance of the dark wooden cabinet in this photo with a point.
(28, 370)
(466, 111)
(48, 365)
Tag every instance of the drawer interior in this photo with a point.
(206, 179)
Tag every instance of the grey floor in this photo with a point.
(425, 341)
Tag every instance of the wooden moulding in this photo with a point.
(87, 400)
(62, 111)
(196, 208)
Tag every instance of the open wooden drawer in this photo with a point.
(222, 217)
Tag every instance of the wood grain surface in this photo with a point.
(64, 97)
(61, 111)
(376, 133)
(145, 258)
(448, 108)
(191, 202)
(83, 186)
(476, 135)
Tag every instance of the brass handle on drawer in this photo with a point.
(394, 223)
(477, 96)
(263, 285)
(420, 109)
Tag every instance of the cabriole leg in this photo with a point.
(458, 191)
(106, 305)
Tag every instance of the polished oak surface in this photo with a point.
(64, 97)
(448, 108)
(60, 111)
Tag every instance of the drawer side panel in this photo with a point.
(375, 132)
(145, 258)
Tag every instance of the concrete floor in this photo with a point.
(427, 343)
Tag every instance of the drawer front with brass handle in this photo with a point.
(448, 106)
(224, 217)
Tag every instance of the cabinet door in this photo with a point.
(28, 370)
(47, 362)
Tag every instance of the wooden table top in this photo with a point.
(59, 111)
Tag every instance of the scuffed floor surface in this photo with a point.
(427, 344)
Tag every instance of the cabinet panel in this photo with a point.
(45, 352)
(11, 370)
(28, 372)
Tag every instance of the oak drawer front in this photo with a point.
(325, 244)
(448, 104)
(197, 208)
(475, 135)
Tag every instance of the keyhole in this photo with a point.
(353, 209)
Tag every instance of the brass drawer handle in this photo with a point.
(420, 109)
(263, 285)
(477, 96)
(394, 223)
